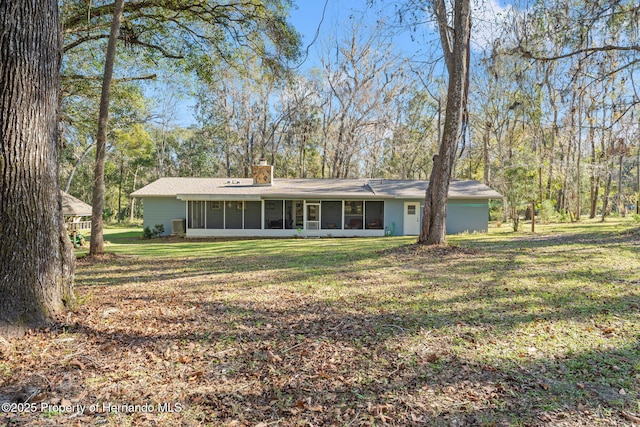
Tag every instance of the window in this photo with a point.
(331, 214)
(294, 214)
(233, 215)
(274, 214)
(252, 214)
(196, 214)
(411, 209)
(215, 215)
(374, 215)
(353, 215)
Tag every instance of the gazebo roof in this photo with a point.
(72, 206)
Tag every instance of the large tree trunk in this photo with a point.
(607, 187)
(456, 52)
(97, 238)
(36, 259)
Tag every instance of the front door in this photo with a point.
(313, 216)
(411, 218)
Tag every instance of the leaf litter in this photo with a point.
(202, 342)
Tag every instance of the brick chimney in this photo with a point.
(262, 173)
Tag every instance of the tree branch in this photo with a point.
(587, 50)
(163, 51)
(446, 33)
(81, 40)
(99, 78)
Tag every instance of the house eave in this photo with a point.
(322, 196)
(219, 197)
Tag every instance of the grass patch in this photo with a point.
(495, 329)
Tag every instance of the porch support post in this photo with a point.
(262, 214)
(186, 215)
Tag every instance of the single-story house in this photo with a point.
(266, 207)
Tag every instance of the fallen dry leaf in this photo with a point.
(274, 358)
(76, 363)
(630, 417)
(433, 358)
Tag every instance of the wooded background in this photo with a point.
(553, 105)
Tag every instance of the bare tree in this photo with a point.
(164, 118)
(363, 77)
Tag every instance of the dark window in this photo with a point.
(294, 214)
(196, 214)
(233, 215)
(353, 218)
(331, 214)
(374, 215)
(215, 215)
(273, 214)
(252, 211)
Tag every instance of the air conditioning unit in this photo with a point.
(178, 227)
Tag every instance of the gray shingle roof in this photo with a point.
(402, 189)
(73, 206)
(243, 188)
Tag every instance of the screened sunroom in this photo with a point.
(283, 214)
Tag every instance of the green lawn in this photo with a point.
(495, 329)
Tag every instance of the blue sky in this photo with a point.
(307, 17)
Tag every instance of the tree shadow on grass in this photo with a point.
(320, 364)
(119, 269)
(318, 338)
(629, 238)
(326, 362)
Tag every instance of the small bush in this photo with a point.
(564, 216)
(495, 210)
(157, 231)
(546, 211)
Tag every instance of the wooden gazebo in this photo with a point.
(75, 211)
